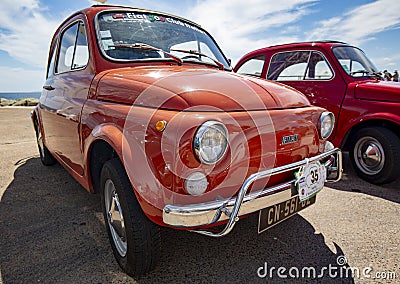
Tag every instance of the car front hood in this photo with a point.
(378, 91)
(194, 88)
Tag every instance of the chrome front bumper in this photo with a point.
(195, 215)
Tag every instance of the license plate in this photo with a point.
(275, 214)
(310, 179)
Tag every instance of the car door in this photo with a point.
(309, 72)
(67, 90)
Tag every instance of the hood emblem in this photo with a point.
(290, 139)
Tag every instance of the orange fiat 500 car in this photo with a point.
(143, 108)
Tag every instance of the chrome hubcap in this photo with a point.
(369, 155)
(115, 218)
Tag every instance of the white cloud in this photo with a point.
(388, 62)
(361, 23)
(21, 80)
(25, 32)
(238, 26)
(235, 23)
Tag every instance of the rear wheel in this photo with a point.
(134, 239)
(375, 154)
(45, 156)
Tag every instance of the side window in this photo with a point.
(50, 68)
(288, 66)
(299, 65)
(66, 49)
(73, 52)
(253, 66)
(293, 72)
(318, 68)
(81, 57)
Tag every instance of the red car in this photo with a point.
(143, 108)
(341, 78)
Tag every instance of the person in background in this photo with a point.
(387, 75)
(395, 76)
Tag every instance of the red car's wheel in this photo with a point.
(134, 239)
(375, 155)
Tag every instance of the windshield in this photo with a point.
(354, 61)
(118, 31)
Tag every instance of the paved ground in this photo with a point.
(52, 230)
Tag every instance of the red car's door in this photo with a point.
(67, 90)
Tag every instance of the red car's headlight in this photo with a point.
(326, 124)
(210, 142)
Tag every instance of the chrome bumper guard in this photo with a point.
(195, 215)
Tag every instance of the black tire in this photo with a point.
(134, 233)
(45, 156)
(380, 166)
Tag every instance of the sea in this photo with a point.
(19, 95)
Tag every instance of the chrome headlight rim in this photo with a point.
(201, 131)
(322, 118)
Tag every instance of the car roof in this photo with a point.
(321, 43)
(325, 44)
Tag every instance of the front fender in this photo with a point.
(349, 125)
(395, 118)
(113, 135)
(110, 133)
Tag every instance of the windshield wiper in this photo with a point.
(144, 46)
(373, 73)
(195, 52)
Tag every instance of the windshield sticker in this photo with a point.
(105, 34)
(108, 44)
(132, 17)
(154, 18)
(118, 16)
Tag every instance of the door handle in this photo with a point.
(48, 87)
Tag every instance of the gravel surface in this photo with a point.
(52, 230)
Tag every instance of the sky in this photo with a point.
(238, 26)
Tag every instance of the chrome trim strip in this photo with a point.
(208, 213)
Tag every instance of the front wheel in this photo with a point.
(134, 239)
(375, 154)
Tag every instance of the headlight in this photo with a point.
(326, 124)
(210, 142)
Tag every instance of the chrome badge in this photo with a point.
(290, 139)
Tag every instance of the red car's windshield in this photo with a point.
(354, 61)
(117, 31)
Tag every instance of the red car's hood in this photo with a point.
(194, 88)
(378, 91)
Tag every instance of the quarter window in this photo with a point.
(50, 68)
(74, 52)
(81, 57)
(299, 65)
(253, 66)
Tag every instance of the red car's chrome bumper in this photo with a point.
(209, 213)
